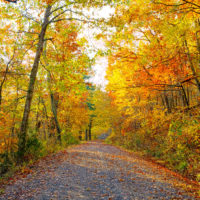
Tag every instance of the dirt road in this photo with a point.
(96, 171)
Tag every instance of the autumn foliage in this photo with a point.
(44, 72)
(152, 98)
(153, 80)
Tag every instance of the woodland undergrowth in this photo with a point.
(173, 140)
(36, 148)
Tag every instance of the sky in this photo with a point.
(100, 72)
(101, 63)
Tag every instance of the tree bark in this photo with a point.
(198, 40)
(54, 111)
(46, 135)
(37, 123)
(184, 96)
(54, 102)
(86, 135)
(192, 66)
(3, 81)
(167, 103)
(90, 132)
(24, 124)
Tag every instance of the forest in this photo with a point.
(150, 101)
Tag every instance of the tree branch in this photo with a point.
(11, 1)
(71, 18)
(189, 2)
(31, 18)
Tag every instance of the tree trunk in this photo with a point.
(37, 123)
(24, 124)
(3, 81)
(167, 102)
(86, 135)
(198, 40)
(184, 96)
(54, 111)
(80, 135)
(47, 120)
(0, 96)
(54, 102)
(90, 127)
(192, 66)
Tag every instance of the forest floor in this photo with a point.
(96, 171)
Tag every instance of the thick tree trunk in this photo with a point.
(24, 124)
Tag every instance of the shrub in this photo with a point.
(5, 163)
(69, 139)
(33, 147)
(173, 138)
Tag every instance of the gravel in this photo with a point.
(95, 171)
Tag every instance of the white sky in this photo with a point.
(101, 62)
(100, 72)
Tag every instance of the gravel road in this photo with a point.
(95, 171)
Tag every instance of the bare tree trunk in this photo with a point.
(37, 123)
(90, 132)
(86, 135)
(167, 102)
(188, 95)
(54, 111)
(54, 102)
(163, 101)
(80, 135)
(14, 112)
(47, 119)
(198, 40)
(5, 76)
(24, 124)
(3, 81)
(184, 96)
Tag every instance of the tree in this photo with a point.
(153, 76)
(54, 12)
